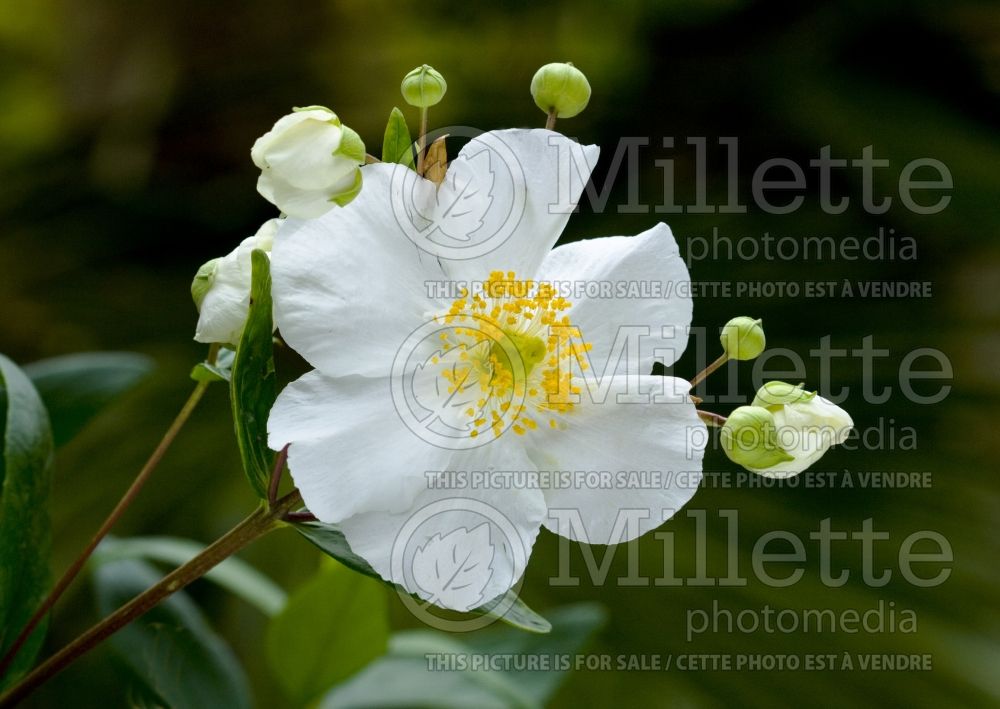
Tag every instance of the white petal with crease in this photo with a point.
(350, 452)
(617, 435)
(349, 287)
(649, 290)
(422, 548)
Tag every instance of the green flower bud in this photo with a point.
(203, 281)
(743, 338)
(423, 87)
(780, 393)
(749, 438)
(562, 88)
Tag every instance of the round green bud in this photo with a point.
(780, 393)
(743, 338)
(562, 88)
(203, 281)
(749, 438)
(423, 87)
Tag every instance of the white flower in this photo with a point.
(806, 425)
(223, 288)
(497, 369)
(309, 162)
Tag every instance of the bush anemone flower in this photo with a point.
(514, 363)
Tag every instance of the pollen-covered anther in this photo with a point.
(517, 354)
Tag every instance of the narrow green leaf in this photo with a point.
(331, 541)
(397, 146)
(171, 649)
(253, 388)
(24, 522)
(76, 387)
(333, 626)
(233, 574)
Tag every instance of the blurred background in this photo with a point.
(125, 133)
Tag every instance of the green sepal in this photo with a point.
(396, 145)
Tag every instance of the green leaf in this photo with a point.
(25, 538)
(219, 371)
(233, 574)
(331, 541)
(171, 649)
(403, 678)
(334, 625)
(253, 388)
(76, 387)
(572, 626)
(397, 146)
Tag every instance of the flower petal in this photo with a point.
(350, 451)
(457, 548)
(650, 429)
(639, 287)
(349, 287)
(513, 192)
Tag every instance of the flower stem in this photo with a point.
(279, 468)
(259, 523)
(550, 121)
(421, 141)
(723, 358)
(126, 500)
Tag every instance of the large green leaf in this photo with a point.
(397, 146)
(332, 626)
(233, 574)
(405, 677)
(76, 387)
(253, 388)
(171, 649)
(329, 539)
(25, 540)
(572, 626)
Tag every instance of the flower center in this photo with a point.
(509, 354)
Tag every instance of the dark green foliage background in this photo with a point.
(125, 130)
